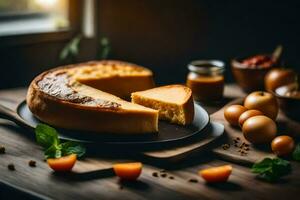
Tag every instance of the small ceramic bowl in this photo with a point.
(289, 105)
(249, 79)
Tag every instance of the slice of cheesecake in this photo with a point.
(174, 102)
(63, 98)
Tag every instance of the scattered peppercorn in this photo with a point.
(171, 177)
(2, 149)
(226, 146)
(155, 174)
(243, 147)
(192, 180)
(32, 163)
(163, 175)
(11, 167)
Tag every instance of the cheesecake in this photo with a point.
(86, 97)
(174, 102)
(115, 77)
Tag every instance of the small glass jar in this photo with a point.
(206, 80)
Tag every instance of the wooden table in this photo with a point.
(40, 182)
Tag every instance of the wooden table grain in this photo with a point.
(91, 180)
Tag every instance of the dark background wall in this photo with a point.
(166, 35)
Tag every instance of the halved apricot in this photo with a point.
(128, 171)
(216, 174)
(62, 164)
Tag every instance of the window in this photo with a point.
(19, 17)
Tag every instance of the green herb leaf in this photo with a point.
(262, 166)
(71, 50)
(104, 48)
(271, 169)
(296, 153)
(46, 136)
(53, 151)
(73, 148)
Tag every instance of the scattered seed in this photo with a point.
(11, 167)
(2, 149)
(163, 175)
(226, 146)
(242, 146)
(32, 163)
(192, 180)
(171, 177)
(155, 174)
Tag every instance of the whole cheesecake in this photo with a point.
(86, 97)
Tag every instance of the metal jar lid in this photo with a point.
(207, 66)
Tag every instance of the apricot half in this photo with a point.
(128, 171)
(216, 174)
(62, 164)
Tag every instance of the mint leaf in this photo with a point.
(281, 167)
(46, 136)
(53, 151)
(104, 48)
(71, 50)
(271, 169)
(73, 148)
(296, 153)
(263, 166)
(269, 176)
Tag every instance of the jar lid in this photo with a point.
(207, 66)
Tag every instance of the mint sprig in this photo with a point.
(47, 137)
(71, 147)
(271, 169)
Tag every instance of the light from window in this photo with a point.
(32, 16)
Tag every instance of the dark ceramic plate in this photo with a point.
(168, 133)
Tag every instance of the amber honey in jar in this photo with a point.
(206, 80)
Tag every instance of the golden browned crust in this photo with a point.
(189, 110)
(104, 118)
